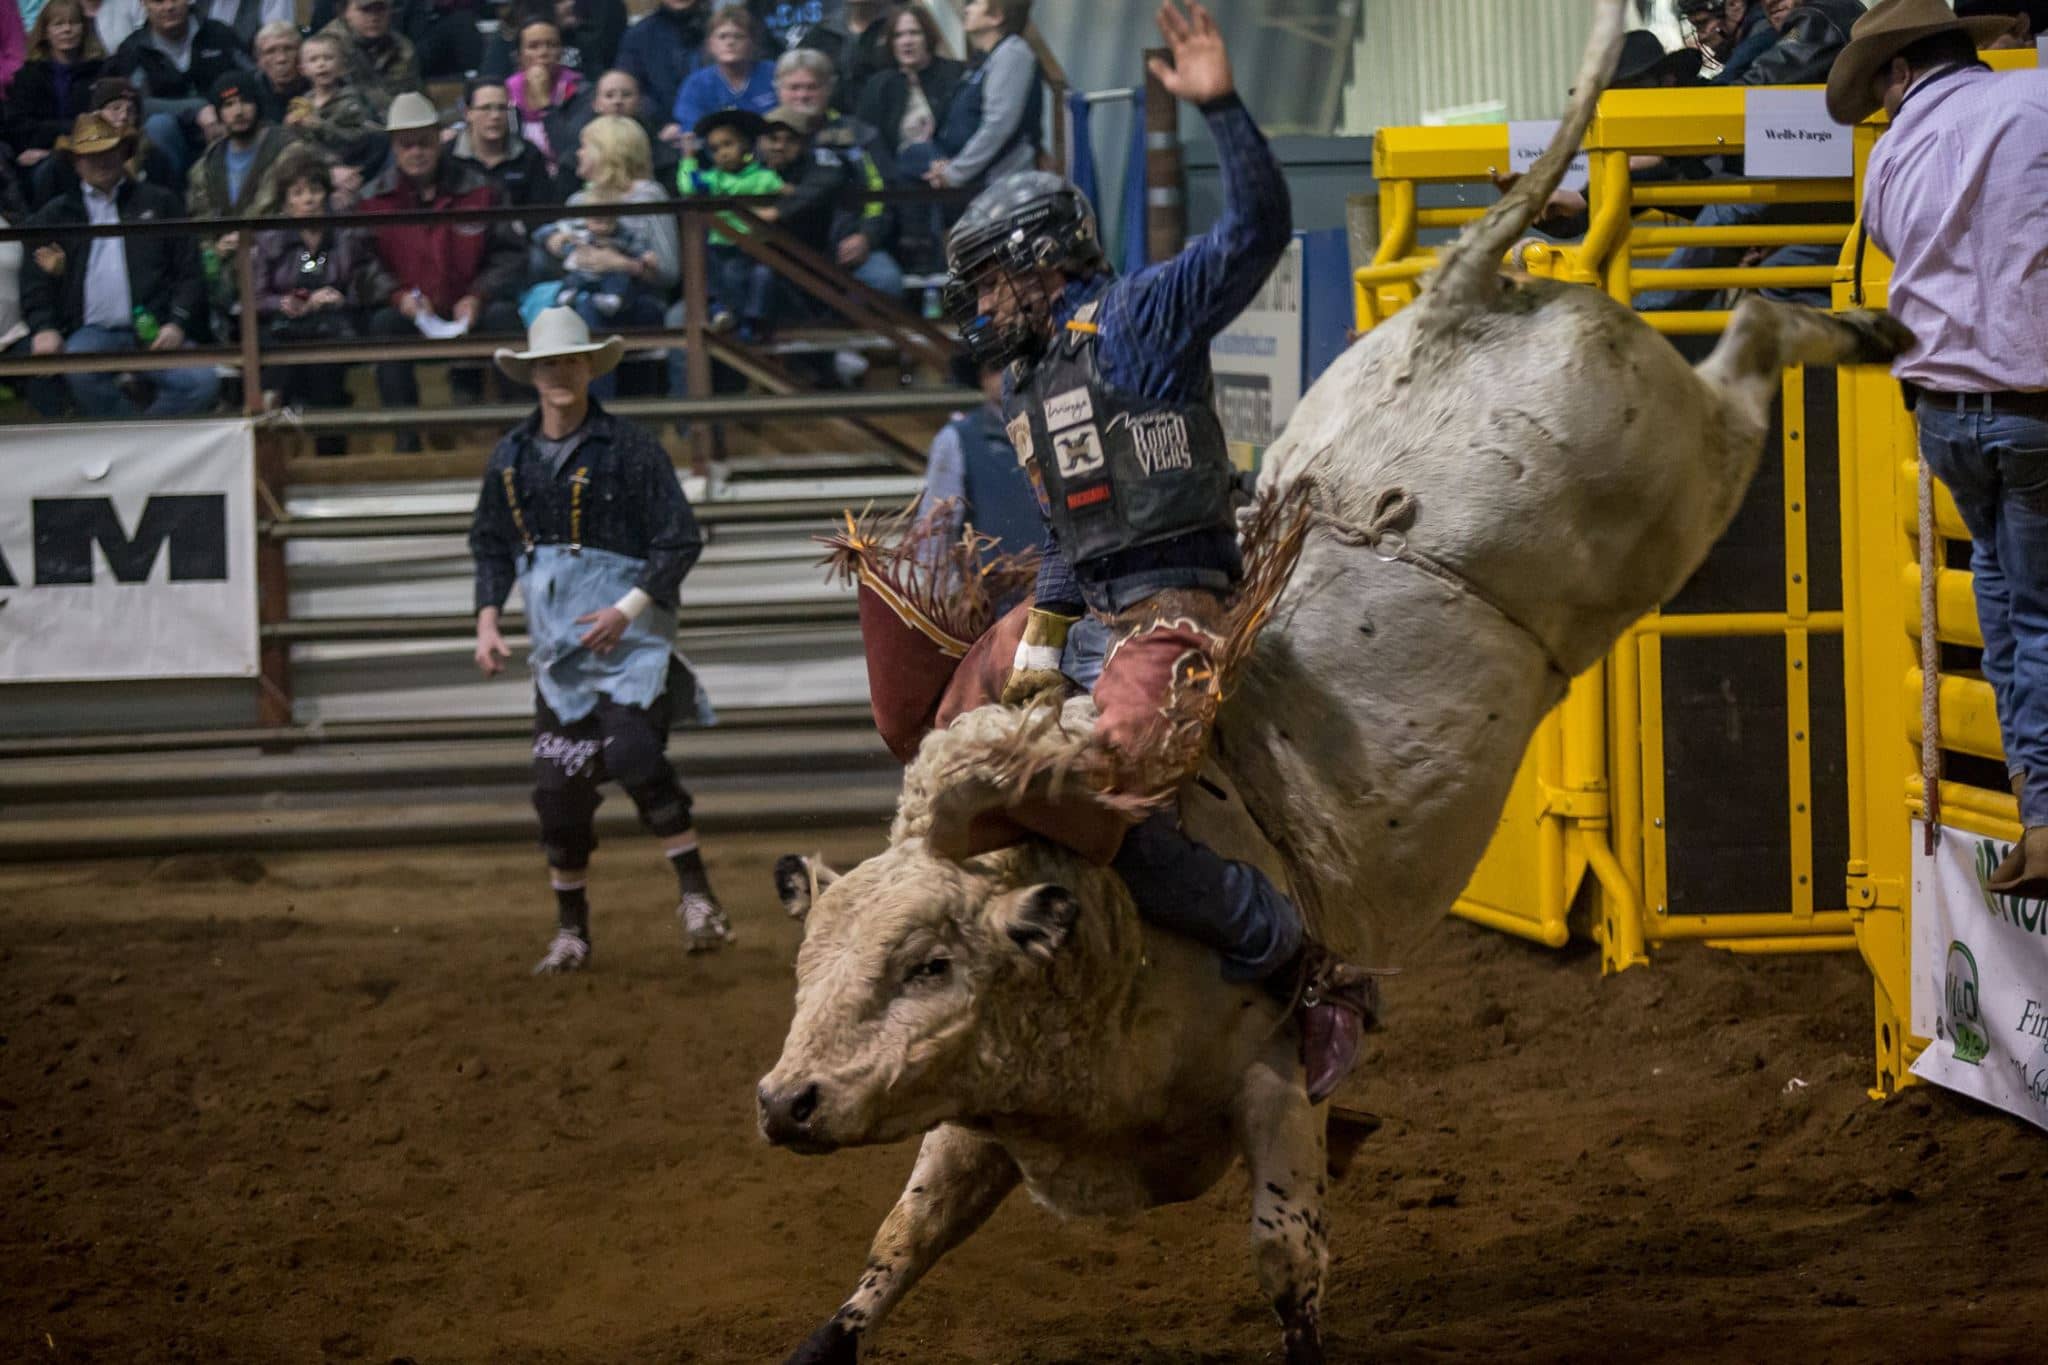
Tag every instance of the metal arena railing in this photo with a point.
(282, 457)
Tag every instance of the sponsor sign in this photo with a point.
(1068, 409)
(1079, 452)
(1257, 361)
(127, 551)
(1159, 439)
(1980, 978)
(1787, 135)
(1019, 429)
(1528, 139)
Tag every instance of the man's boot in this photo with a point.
(2023, 872)
(1339, 1004)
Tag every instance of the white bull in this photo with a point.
(1504, 477)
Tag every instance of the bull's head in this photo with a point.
(915, 974)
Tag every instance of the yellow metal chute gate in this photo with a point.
(1881, 552)
(1590, 797)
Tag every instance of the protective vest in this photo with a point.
(1114, 471)
(1000, 501)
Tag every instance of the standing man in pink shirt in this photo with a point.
(1956, 193)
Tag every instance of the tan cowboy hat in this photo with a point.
(91, 133)
(557, 332)
(1888, 29)
(782, 116)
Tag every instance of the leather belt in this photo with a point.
(2006, 402)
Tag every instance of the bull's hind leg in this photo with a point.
(1764, 338)
(1282, 1137)
(957, 1183)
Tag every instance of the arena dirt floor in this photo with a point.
(314, 1109)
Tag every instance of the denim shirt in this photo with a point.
(1155, 329)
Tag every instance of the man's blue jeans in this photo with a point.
(1189, 888)
(1724, 257)
(1997, 468)
(179, 393)
(880, 273)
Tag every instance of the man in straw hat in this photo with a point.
(113, 293)
(584, 511)
(1956, 193)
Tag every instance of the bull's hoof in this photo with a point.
(1304, 1342)
(836, 1344)
(1880, 337)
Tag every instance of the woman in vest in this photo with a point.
(993, 126)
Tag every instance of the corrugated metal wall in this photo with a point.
(1416, 56)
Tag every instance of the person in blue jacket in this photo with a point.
(735, 77)
(1109, 409)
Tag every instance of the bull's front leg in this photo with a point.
(1281, 1134)
(957, 1183)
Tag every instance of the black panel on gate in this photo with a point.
(1829, 764)
(1824, 492)
(1725, 773)
(1726, 756)
(1745, 571)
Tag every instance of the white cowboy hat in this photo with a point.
(409, 111)
(560, 331)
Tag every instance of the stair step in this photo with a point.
(801, 810)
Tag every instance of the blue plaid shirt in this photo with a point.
(1155, 330)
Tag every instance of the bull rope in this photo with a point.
(1384, 534)
(1930, 667)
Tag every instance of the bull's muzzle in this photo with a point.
(787, 1113)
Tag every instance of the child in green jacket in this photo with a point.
(741, 288)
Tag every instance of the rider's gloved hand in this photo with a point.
(1035, 675)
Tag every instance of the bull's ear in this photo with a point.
(798, 880)
(1039, 919)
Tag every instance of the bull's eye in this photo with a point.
(932, 969)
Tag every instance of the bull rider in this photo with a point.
(1108, 405)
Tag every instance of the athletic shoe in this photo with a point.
(705, 927)
(567, 952)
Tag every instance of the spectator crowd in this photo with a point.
(1750, 43)
(129, 110)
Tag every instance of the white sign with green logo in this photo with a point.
(1980, 978)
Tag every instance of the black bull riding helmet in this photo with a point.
(1017, 227)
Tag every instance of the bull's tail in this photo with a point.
(1467, 276)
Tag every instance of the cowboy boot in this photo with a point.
(1339, 1004)
(2023, 871)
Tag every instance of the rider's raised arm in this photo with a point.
(1194, 296)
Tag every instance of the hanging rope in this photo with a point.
(1930, 665)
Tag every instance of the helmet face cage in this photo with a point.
(1008, 248)
(990, 338)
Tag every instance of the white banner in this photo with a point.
(127, 551)
(1787, 135)
(1258, 359)
(1980, 978)
(1529, 139)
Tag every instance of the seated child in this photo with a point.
(335, 118)
(600, 293)
(740, 286)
